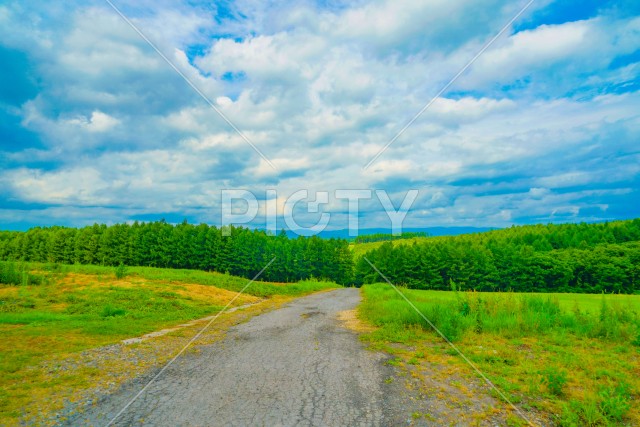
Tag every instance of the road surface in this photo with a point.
(295, 366)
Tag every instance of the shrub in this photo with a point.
(10, 273)
(31, 279)
(121, 271)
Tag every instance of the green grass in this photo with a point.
(74, 308)
(219, 280)
(614, 317)
(98, 304)
(360, 249)
(574, 357)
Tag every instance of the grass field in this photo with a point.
(570, 359)
(74, 308)
(360, 249)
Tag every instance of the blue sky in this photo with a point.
(543, 127)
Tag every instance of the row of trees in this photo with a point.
(243, 252)
(566, 258)
(544, 258)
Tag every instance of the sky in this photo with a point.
(96, 126)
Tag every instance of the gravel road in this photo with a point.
(295, 366)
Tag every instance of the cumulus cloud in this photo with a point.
(97, 122)
(543, 126)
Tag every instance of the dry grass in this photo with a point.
(208, 294)
(350, 320)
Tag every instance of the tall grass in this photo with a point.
(507, 314)
(12, 273)
(574, 357)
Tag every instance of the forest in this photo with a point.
(589, 258)
(244, 252)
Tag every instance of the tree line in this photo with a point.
(243, 252)
(588, 258)
(602, 257)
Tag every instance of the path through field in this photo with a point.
(293, 366)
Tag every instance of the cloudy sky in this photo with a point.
(95, 126)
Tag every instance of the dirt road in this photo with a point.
(296, 366)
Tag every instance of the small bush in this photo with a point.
(10, 273)
(121, 271)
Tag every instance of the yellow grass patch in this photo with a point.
(211, 293)
(350, 320)
(7, 292)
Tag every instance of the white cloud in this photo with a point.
(82, 185)
(320, 91)
(283, 166)
(556, 57)
(97, 122)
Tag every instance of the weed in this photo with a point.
(111, 311)
(515, 421)
(555, 380)
(394, 362)
(614, 402)
(582, 413)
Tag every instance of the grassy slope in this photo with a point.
(81, 307)
(572, 359)
(360, 249)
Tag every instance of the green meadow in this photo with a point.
(572, 358)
